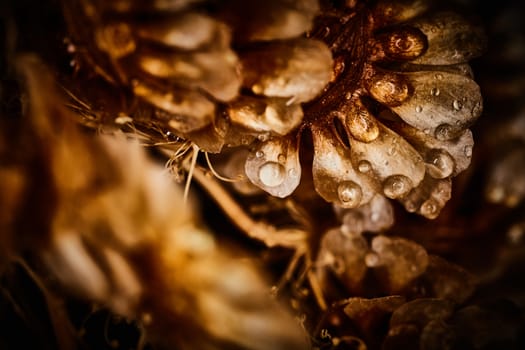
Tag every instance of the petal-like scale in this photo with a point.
(451, 39)
(391, 160)
(274, 166)
(335, 178)
(460, 148)
(442, 104)
(265, 114)
(400, 10)
(184, 110)
(189, 31)
(296, 69)
(214, 71)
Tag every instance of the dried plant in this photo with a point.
(329, 131)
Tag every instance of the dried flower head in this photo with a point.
(383, 87)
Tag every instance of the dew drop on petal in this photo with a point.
(443, 132)
(364, 166)
(429, 208)
(440, 164)
(372, 260)
(281, 158)
(419, 109)
(457, 105)
(292, 172)
(350, 194)
(435, 91)
(259, 154)
(439, 76)
(468, 150)
(272, 174)
(396, 186)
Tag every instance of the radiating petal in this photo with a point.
(183, 110)
(442, 104)
(274, 166)
(391, 160)
(459, 149)
(400, 10)
(335, 178)
(268, 20)
(297, 69)
(451, 39)
(215, 71)
(187, 32)
(265, 114)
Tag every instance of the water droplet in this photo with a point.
(396, 186)
(259, 154)
(257, 89)
(435, 91)
(348, 95)
(410, 206)
(429, 208)
(467, 150)
(350, 194)
(443, 132)
(364, 166)
(292, 172)
(263, 137)
(281, 158)
(439, 76)
(272, 174)
(426, 131)
(457, 105)
(419, 109)
(392, 151)
(372, 260)
(441, 164)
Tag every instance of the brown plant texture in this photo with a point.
(280, 174)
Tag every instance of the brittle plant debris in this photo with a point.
(279, 174)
